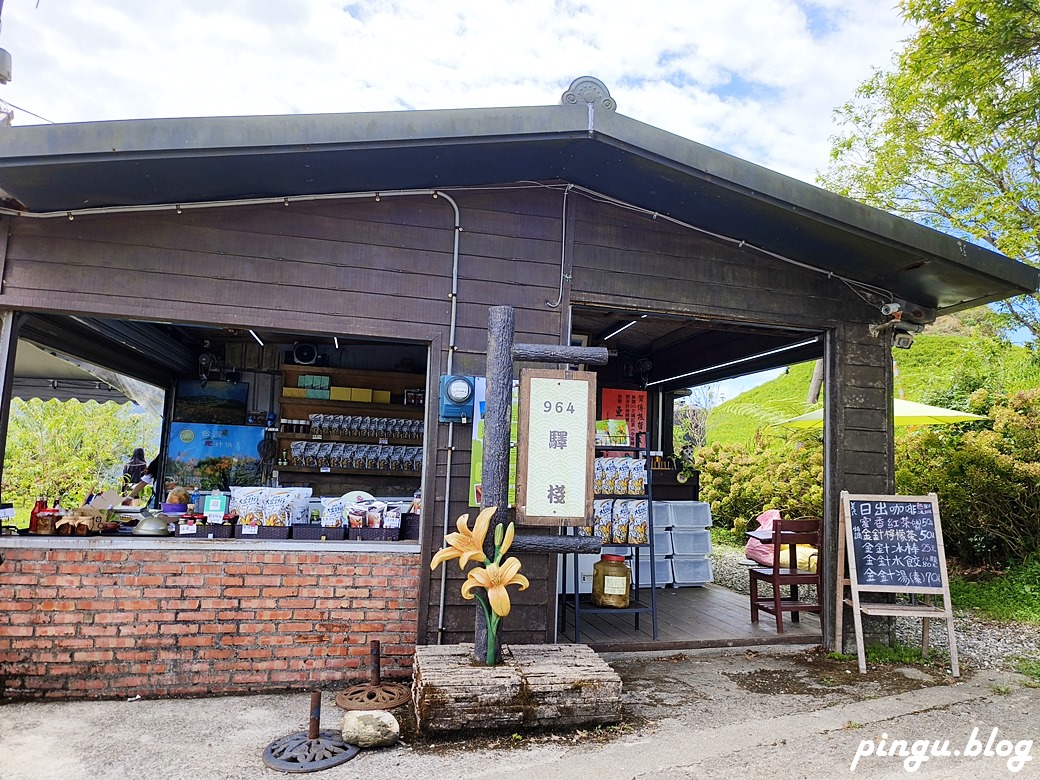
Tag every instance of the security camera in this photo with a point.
(891, 308)
(903, 340)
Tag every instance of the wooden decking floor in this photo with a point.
(689, 618)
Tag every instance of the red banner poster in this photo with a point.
(628, 405)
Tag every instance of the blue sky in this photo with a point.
(756, 78)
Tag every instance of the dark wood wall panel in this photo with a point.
(383, 269)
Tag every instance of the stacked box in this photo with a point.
(688, 514)
(380, 396)
(691, 571)
(691, 542)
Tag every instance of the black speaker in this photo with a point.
(304, 354)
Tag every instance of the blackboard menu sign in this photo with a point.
(896, 543)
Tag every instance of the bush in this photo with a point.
(740, 481)
(988, 481)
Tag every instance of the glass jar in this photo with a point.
(611, 582)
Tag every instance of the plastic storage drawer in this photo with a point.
(690, 514)
(661, 544)
(662, 514)
(691, 571)
(690, 542)
(662, 572)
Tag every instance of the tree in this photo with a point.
(690, 419)
(66, 450)
(949, 137)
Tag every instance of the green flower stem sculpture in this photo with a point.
(486, 583)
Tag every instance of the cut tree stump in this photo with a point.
(535, 686)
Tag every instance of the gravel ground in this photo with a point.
(981, 644)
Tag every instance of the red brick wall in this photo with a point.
(80, 622)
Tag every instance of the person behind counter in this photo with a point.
(134, 470)
(147, 478)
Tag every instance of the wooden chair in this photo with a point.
(787, 533)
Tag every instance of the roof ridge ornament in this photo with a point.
(586, 89)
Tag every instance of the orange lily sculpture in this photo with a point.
(486, 583)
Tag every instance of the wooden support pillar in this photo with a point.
(497, 413)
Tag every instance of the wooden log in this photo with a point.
(552, 545)
(495, 464)
(558, 353)
(536, 686)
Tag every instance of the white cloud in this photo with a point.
(756, 78)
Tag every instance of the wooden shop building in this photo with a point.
(363, 251)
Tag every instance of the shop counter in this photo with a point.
(131, 542)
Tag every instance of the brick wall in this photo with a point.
(84, 623)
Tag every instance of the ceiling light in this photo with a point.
(253, 334)
(623, 327)
(335, 340)
(738, 361)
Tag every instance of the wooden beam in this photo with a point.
(558, 353)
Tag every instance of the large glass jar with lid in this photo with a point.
(611, 582)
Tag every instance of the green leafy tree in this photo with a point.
(949, 136)
(690, 418)
(67, 449)
(987, 477)
(741, 480)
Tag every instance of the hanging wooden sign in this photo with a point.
(557, 418)
(893, 544)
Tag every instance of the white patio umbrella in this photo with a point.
(906, 413)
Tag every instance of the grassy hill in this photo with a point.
(940, 370)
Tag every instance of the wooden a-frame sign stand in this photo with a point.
(894, 545)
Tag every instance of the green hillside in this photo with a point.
(940, 370)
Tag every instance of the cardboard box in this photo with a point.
(320, 395)
(380, 396)
(339, 393)
(304, 381)
(362, 394)
(324, 382)
(293, 392)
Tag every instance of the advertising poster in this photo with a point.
(477, 457)
(628, 405)
(211, 402)
(209, 456)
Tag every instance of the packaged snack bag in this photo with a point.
(639, 522)
(609, 474)
(602, 509)
(619, 521)
(624, 476)
(637, 482)
(332, 512)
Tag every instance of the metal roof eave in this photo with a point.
(136, 162)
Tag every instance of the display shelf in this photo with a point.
(333, 437)
(333, 478)
(359, 408)
(355, 472)
(588, 608)
(580, 605)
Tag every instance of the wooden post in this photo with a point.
(495, 466)
(495, 472)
